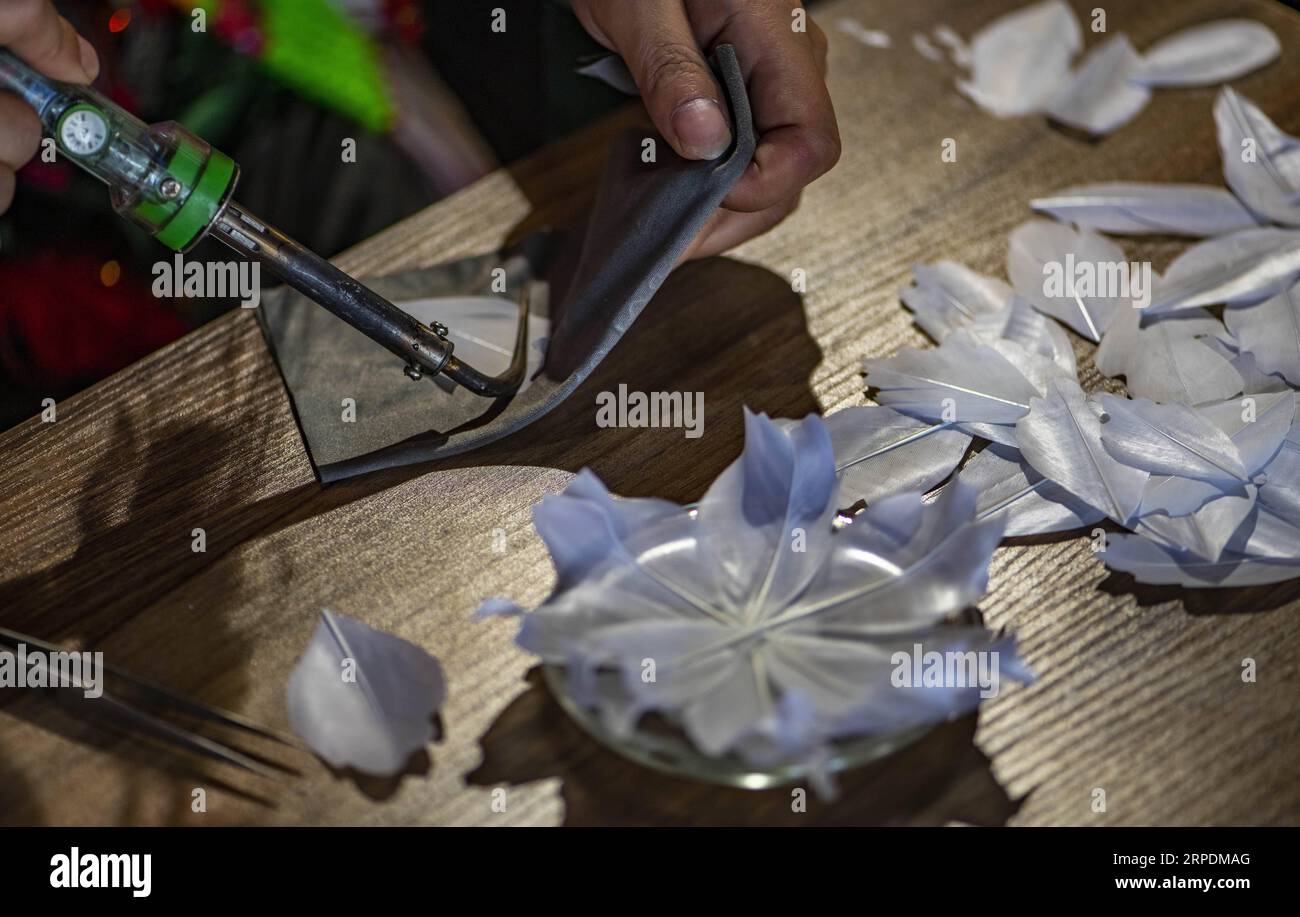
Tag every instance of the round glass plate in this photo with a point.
(670, 751)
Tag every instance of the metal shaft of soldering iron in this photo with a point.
(424, 350)
(308, 273)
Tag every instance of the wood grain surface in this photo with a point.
(1139, 690)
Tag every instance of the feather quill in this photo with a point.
(362, 698)
(1131, 209)
(1060, 438)
(1207, 54)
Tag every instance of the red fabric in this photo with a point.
(60, 327)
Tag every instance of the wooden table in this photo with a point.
(1139, 692)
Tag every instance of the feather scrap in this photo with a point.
(1060, 438)
(1099, 98)
(612, 71)
(1237, 269)
(1031, 504)
(961, 380)
(1132, 208)
(1169, 358)
(1270, 332)
(1020, 61)
(1260, 163)
(879, 452)
(1040, 249)
(1204, 55)
(362, 698)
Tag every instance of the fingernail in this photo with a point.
(701, 129)
(89, 59)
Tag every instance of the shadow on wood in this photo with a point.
(941, 778)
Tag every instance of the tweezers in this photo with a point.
(125, 709)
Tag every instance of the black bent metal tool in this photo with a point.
(179, 189)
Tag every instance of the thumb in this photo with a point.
(684, 101)
(35, 31)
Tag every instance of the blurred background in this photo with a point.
(432, 96)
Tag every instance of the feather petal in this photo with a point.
(1260, 163)
(362, 698)
(1238, 269)
(1270, 331)
(1130, 208)
(1257, 430)
(1098, 97)
(1031, 504)
(1204, 55)
(1170, 439)
(879, 452)
(1169, 358)
(960, 380)
(1020, 60)
(1041, 250)
(949, 296)
(1061, 439)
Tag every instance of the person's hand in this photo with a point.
(33, 30)
(785, 72)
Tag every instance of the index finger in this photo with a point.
(34, 30)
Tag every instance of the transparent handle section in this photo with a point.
(160, 177)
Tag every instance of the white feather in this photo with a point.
(1019, 61)
(1170, 439)
(1261, 164)
(879, 452)
(1098, 97)
(1169, 358)
(1207, 54)
(1270, 332)
(1030, 503)
(362, 698)
(1130, 208)
(960, 380)
(1257, 428)
(1237, 269)
(1039, 249)
(949, 296)
(1061, 439)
